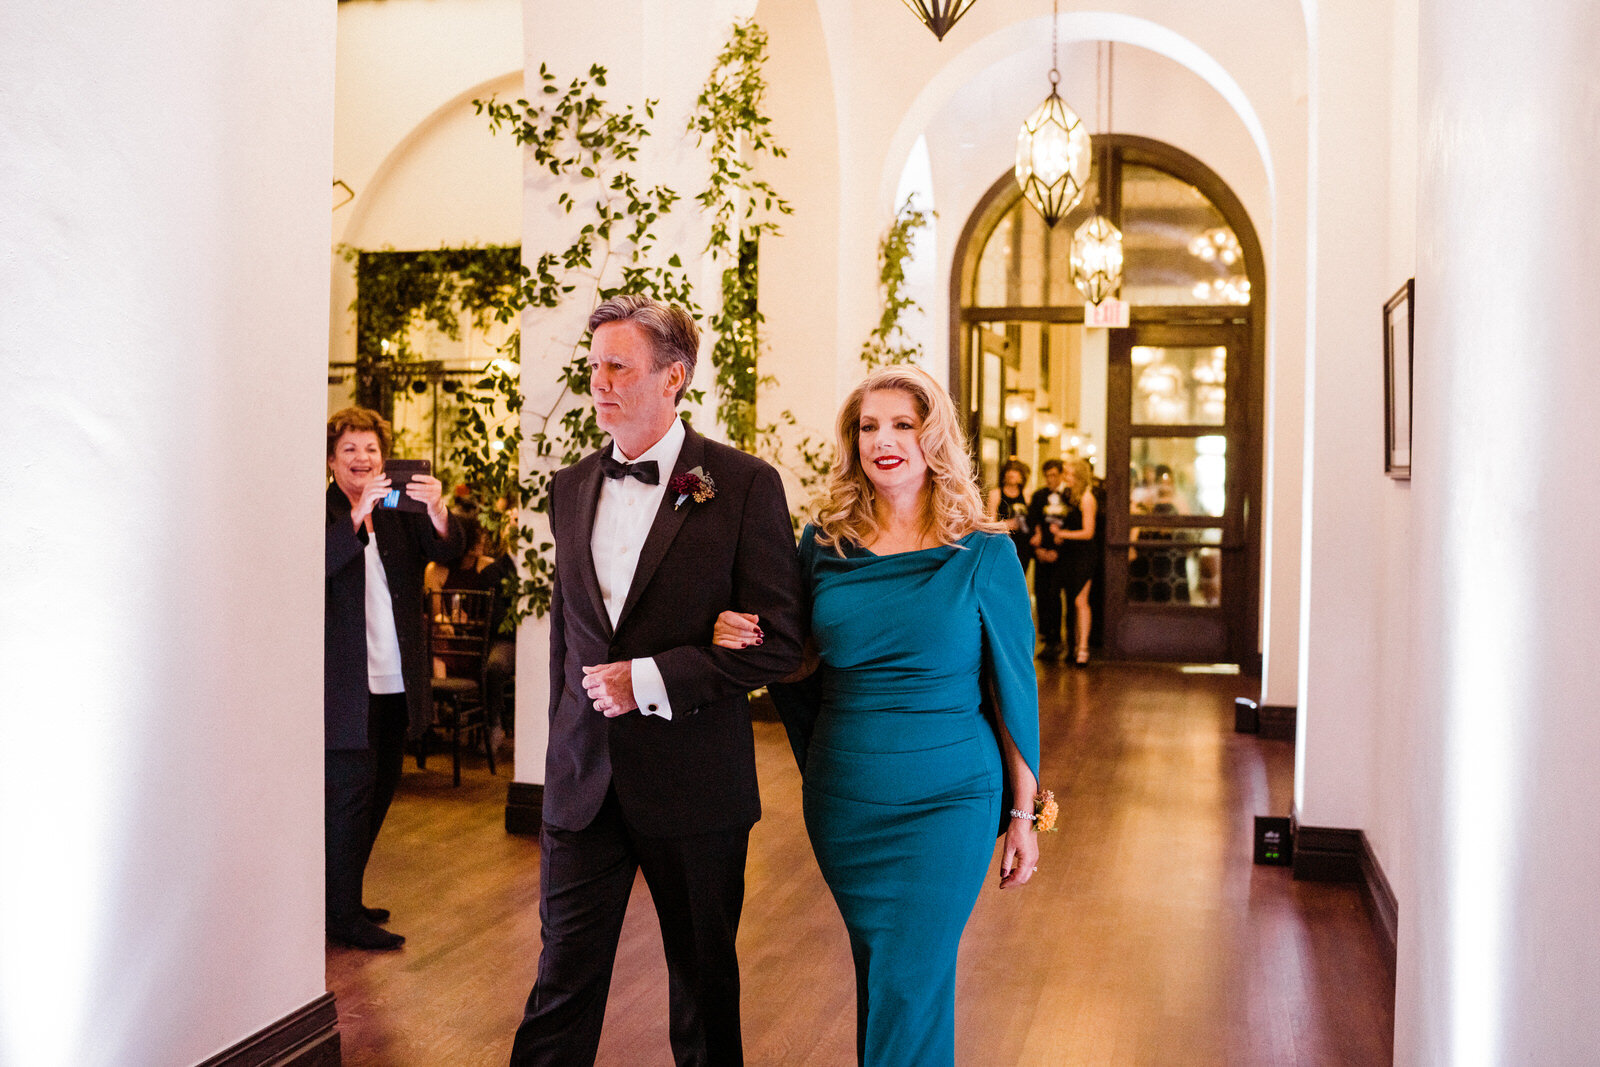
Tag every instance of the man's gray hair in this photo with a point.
(673, 335)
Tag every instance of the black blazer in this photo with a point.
(695, 773)
(406, 542)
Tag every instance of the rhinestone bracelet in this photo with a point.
(1030, 816)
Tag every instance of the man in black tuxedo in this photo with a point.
(651, 759)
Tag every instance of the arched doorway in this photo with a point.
(1170, 410)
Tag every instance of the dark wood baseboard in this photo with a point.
(1277, 722)
(524, 807)
(308, 1037)
(1272, 722)
(1381, 903)
(1327, 854)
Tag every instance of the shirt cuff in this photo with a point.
(649, 689)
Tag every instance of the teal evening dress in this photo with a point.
(903, 781)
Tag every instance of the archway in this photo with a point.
(1169, 410)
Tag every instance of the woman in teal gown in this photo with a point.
(918, 609)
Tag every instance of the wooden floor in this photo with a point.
(1147, 937)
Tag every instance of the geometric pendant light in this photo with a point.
(1053, 151)
(1097, 259)
(1097, 246)
(939, 15)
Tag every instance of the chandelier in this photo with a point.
(939, 15)
(1053, 149)
(1097, 246)
(1097, 259)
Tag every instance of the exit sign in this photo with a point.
(1112, 313)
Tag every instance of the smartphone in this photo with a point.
(400, 473)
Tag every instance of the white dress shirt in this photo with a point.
(622, 520)
(383, 642)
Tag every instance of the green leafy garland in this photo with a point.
(888, 342)
(575, 135)
(728, 121)
(398, 290)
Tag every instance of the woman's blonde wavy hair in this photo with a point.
(843, 511)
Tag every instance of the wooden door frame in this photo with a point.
(1119, 150)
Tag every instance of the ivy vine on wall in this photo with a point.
(729, 123)
(889, 342)
(573, 133)
(396, 291)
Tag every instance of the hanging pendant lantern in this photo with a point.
(1053, 149)
(1097, 259)
(939, 15)
(1053, 157)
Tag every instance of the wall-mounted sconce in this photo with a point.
(1018, 406)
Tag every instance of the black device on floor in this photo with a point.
(1274, 841)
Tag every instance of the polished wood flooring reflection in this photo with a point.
(1147, 937)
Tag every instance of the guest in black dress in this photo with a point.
(1079, 550)
(375, 662)
(1008, 503)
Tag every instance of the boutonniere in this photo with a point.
(692, 483)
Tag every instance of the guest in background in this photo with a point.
(484, 568)
(1078, 549)
(1046, 513)
(1008, 504)
(375, 661)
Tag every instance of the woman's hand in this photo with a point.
(736, 629)
(374, 491)
(428, 490)
(1019, 856)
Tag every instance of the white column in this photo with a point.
(1500, 950)
(1344, 485)
(164, 230)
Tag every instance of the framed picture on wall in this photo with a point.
(1397, 337)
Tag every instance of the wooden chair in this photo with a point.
(458, 636)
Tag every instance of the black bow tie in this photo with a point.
(645, 470)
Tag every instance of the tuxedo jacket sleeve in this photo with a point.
(695, 772)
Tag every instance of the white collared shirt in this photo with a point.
(384, 673)
(622, 520)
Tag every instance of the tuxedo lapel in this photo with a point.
(588, 504)
(667, 521)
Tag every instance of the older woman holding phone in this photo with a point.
(918, 609)
(375, 662)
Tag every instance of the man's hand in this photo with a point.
(610, 686)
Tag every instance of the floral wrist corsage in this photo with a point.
(692, 483)
(1045, 811)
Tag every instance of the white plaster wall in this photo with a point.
(164, 230)
(1500, 958)
(1341, 592)
(425, 170)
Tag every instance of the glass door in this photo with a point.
(1177, 569)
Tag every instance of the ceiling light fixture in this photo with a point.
(1053, 148)
(1097, 246)
(939, 15)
